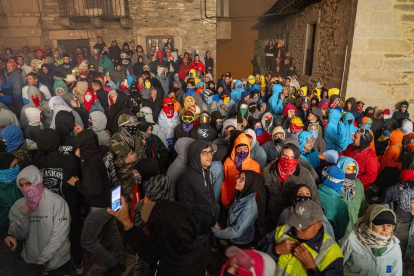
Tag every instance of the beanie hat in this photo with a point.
(245, 94)
(83, 137)
(385, 217)
(48, 140)
(406, 127)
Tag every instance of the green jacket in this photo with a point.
(336, 210)
(9, 194)
(356, 205)
(107, 64)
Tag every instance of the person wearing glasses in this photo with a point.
(242, 211)
(366, 122)
(401, 113)
(195, 189)
(352, 190)
(365, 157)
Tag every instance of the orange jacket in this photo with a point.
(410, 137)
(230, 170)
(177, 106)
(392, 153)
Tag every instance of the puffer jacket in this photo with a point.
(334, 131)
(392, 153)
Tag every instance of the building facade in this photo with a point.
(75, 23)
(365, 47)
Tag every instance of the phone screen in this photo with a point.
(318, 84)
(116, 198)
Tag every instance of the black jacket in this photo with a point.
(196, 192)
(119, 108)
(155, 148)
(212, 134)
(64, 124)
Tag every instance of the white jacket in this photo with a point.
(359, 260)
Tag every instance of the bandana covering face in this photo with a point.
(147, 85)
(36, 101)
(298, 198)
(226, 100)
(348, 186)
(315, 134)
(169, 111)
(187, 126)
(286, 167)
(32, 194)
(130, 139)
(267, 123)
(219, 125)
(334, 104)
(294, 129)
(258, 131)
(240, 157)
(9, 176)
(190, 92)
(368, 237)
(359, 108)
(243, 111)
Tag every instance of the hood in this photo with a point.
(404, 103)
(277, 89)
(343, 161)
(264, 120)
(125, 44)
(195, 150)
(278, 129)
(347, 116)
(253, 183)
(241, 139)
(406, 127)
(334, 117)
(82, 88)
(59, 83)
(148, 168)
(390, 125)
(7, 85)
(159, 70)
(33, 116)
(32, 174)
(57, 101)
(266, 107)
(322, 102)
(182, 147)
(253, 134)
(14, 137)
(60, 88)
(48, 140)
(192, 73)
(396, 137)
(32, 90)
(200, 83)
(353, 102)
(186, 106)
(99, 120)
(236, 86)
(332, 99)
(333, 91)
(148, 114)
(303, 139)
(288, 107)
(64, 122)
(372, 211)
(228, 123)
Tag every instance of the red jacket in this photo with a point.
(367, 162)
(263, 138)
(198, 67)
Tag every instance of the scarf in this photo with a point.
(32, 194)
(405, 199)
(294, 129)
(127, 137)
(190, 92)
(240, 157)
(258, 131)
(187, 126)
(368, 237)
(203, 131)
(36, 101)
(286, 167)
(8, 176)
(334, 104)
(348, 186)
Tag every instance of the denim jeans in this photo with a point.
(99, 222)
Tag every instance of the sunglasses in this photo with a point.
(170, 104)
(351, 168)
(404, 106)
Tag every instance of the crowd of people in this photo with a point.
(287, 179)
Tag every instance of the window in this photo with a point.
(157, 41)
(223, 8)
(309, 48)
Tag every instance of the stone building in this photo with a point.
(365, 47)
(75, 23)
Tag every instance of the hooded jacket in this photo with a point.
(390, 158)
(181, 161)
(194, 190)
(99, 122)
(47, 112)
(273, 149)
(334, 131)
(269, 128)
(115, 111)
(349, 130)
(7, 118)
(236, 93)
(311, 156)
(230, 170)
(257, 153)
(35, 125)
(57, 104)
(275, 101)
(353, 108)
(399, 115)
(47, 236)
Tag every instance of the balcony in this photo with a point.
(94, 9)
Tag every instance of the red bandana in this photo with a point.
(286, 167)
(294, 129)
(36, 101)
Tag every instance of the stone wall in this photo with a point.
(183, 19)
(382, 60)
(334, 32)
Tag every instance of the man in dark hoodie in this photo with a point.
(350, 106)
(195, 190)
(66, 67)
(401, 113)
(99, 178)
(204, 131)
(65, 125)
(56, 169)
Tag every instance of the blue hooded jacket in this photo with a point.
(343, 161)
(350, 129)
(236, 93)
(334, 131)
(13, 136)
(311, 156)
(254, 86)
(276, 104)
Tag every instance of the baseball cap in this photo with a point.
(297, 121)
(147, 209)
(304, 213)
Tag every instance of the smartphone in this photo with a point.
(116, 198)
(318, 84)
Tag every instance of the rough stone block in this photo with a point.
(386, 31)
(6, 6)
(364, 61)
(401, 65)
(12, 42)
(360, 45)
(29, 21)
(384, 18)
(23, 5)
(381, 77)
(359, 90)
(35, 40)
(389, 46)
(407, 17)
(13, 21)
(404, 7)
(374, 5)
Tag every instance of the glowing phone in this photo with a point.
(116, 198)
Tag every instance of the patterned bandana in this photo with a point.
(32, 194)
(348, 187)
(240, 157)
(258, 131)
(187, 126)
(286, 167)
(370, 238)
(405, 199)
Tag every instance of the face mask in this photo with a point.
(386, 133)
(88, 98)
(147, 85)
(89, 125)
(252, 109)
(267, 123)
(313, 104)
(297, 199)
(243, 111)
(367, 127)
(294, 129)
(32, 194)
(239, 87)
(278, 141)
(359, 109)
(145, 135)
(36, 101)
(187, 126)
(177, 78)
(304, 107)
(190, 91)
(219, 125)
(350, 176)
(3, 146)
(350, 121)
(132, 130)
(162, 76)
(314, 133)
(240, 157)
(334, 104)
(258, 131)
(9, 175)
(226, 100)
(245, 86)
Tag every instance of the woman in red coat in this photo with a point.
(197, 64)
(185, 67)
